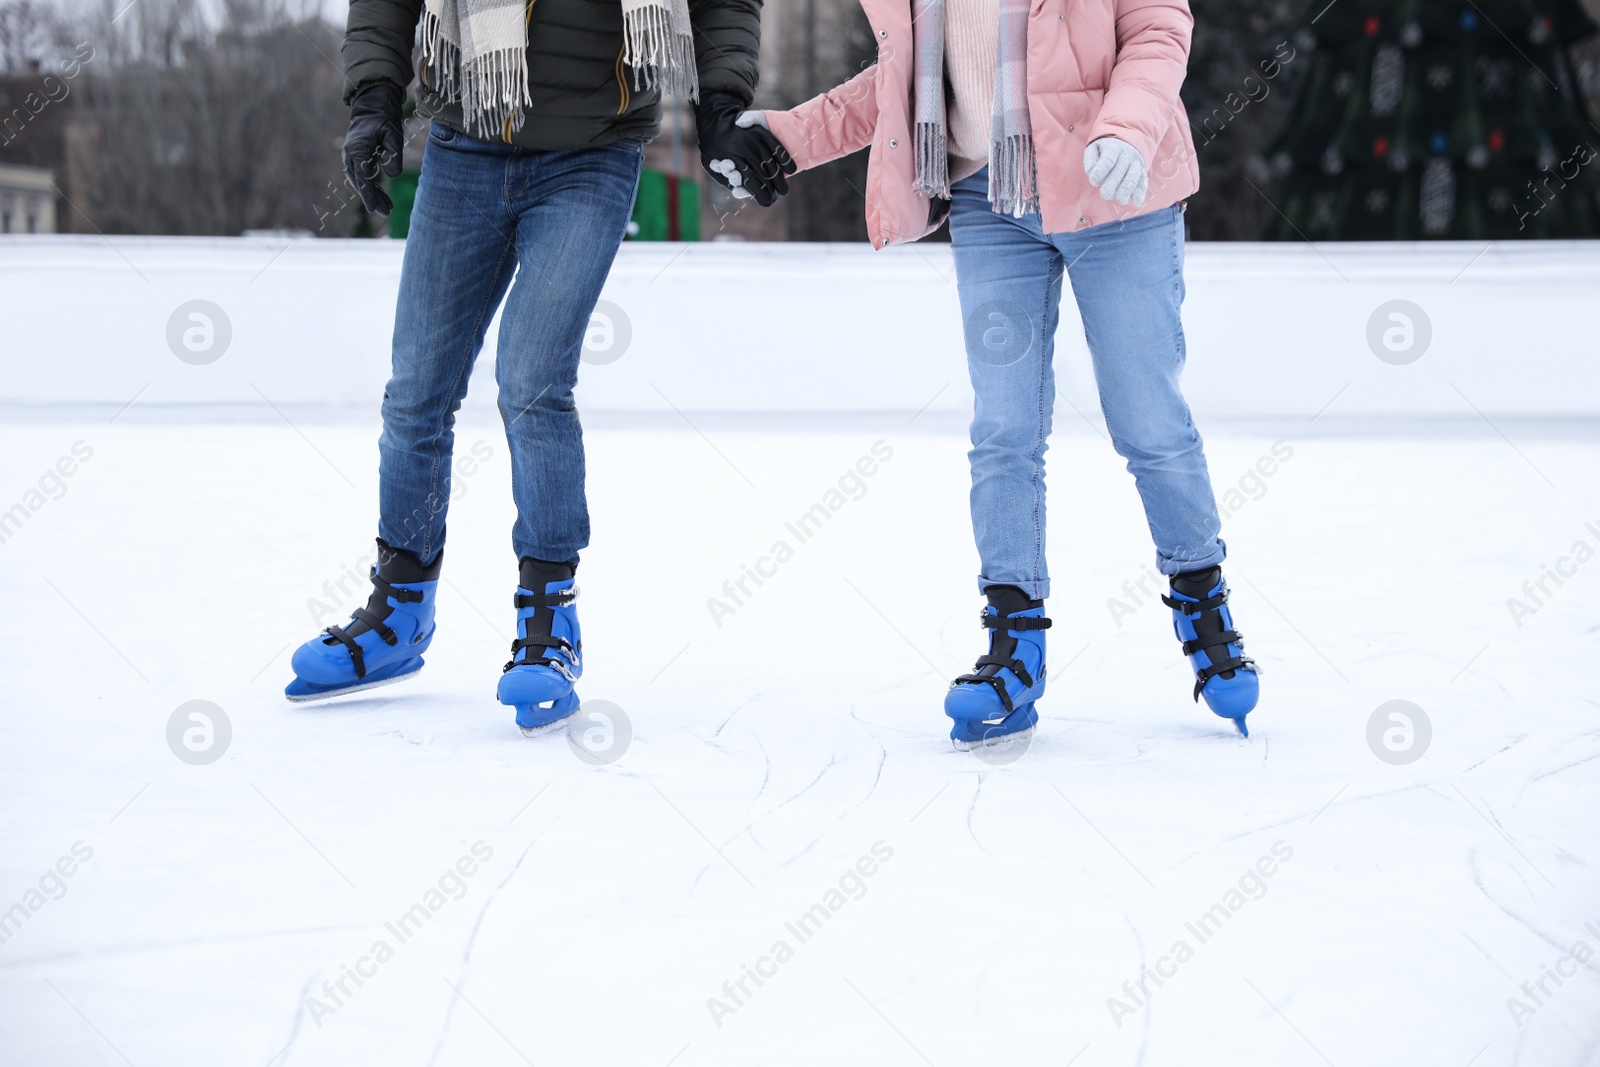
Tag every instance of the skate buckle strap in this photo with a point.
(1015, 666)
(404, 596)
(1232, 663)
(376, 624)
(338, 633)
(1195, 607)
(1008, 662)
(1216, 640)
(560, 644)
(993, 679)
(1205, 642)
(546, 600)
(1006, 622)
(382, 593)
(557, 665)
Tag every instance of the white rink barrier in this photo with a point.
(1274, 331)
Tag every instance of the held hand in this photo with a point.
(742, 156)
(1115, 167)
(375, 142)
(745, 121)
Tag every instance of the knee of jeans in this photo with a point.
(1154, 444)
(416, 410)
(548, 399)
(1004, 446)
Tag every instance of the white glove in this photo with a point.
(1117, 169)
(726, 168)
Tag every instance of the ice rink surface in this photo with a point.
(1140, 887)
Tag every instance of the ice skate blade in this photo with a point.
(1023, 736)
(1244, 731)
(311, 697)
(547, 728)
(556, 714)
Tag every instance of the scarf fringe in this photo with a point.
(1013, 177)
(1013, 180)
(659, 57)
(492, 88)
(933, 160)
(440, 70)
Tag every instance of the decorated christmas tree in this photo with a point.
(1436, 119)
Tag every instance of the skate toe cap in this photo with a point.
(321, 664)
(973, 703)
(1233, 698)
(532, 685)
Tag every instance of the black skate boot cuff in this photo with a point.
(398, 566)
(536, 574)
(1008, 599)
(1197, 584)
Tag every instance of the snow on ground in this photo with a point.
(1287, 899)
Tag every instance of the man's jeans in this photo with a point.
(1128, 279)
(485, 213)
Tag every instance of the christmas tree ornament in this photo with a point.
(1436, 120)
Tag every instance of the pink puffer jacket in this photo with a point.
(1096, 68)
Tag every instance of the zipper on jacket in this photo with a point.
(623, 93)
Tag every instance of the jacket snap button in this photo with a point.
(894, 142)
(1070, 127)
(883, 35)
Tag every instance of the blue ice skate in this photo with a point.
(995, 702)
(1224, 675)
(547, 656)
(384, 641)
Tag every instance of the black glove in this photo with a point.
(761, 159)
(375, 140)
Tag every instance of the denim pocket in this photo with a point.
(442, 134)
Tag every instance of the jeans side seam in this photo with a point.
(1046, 352)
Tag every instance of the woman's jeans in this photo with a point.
(486, 213)
(1128, 279)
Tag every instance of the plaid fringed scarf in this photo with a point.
(1013, 186)
(476, 53)
(660, 46)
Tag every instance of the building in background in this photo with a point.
(27, 200)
